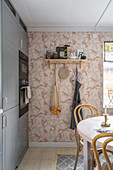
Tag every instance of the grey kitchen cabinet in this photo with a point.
(11, 139)
(10, 27)
(15, 131)
(10, 76)
(1, 111)
(23, 129)
(10, 57)
(23, 39)
(1, 143)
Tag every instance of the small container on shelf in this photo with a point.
(79, 53)
(48, 54)
(83, 57)
(62, 52)
(55, 55)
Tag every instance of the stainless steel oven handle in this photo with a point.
(23, 88)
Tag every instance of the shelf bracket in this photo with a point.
(50, 65)
(80, 64)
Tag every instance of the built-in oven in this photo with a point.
(23, 83)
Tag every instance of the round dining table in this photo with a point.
(88, 129)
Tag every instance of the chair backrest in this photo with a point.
(79, 107)
(110, 135)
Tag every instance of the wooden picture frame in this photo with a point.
(108, 51)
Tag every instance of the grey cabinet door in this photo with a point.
(11, 139)
(23, 37)
(10, 76)
(10, 57)
(23, 127)
(1, 144)
(10, 27)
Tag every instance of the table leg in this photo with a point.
(87, 155)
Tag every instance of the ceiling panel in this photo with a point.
(86, 13)
(64, 13)
(50, 12)
(107, 19)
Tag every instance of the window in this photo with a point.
(108, 74)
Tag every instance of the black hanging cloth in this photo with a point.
(76, 102)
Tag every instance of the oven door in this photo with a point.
(23, 107)
(23, 66)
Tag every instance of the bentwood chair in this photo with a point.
(106, 165)
(77, 110)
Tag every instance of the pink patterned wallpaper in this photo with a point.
(43, 125)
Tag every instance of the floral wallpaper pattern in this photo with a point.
(43, 125)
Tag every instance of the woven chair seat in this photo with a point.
(105, 166)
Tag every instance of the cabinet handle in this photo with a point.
(5, 120)
(24, 128)
(21, 41)
(5, 108)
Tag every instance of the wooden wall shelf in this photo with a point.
(64, 61)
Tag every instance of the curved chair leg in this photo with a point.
(93, 163)
(78, 150)
(77, 155)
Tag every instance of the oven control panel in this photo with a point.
(23, 82)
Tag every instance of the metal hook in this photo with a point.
(76, 69)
